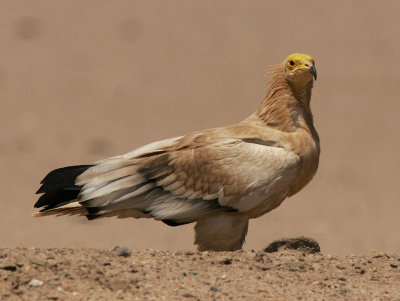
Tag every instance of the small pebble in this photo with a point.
(9, 267)
(125, 252)
(293, 268)
(35, 282)
(226, 261)
(38, 262)
(223, 277)
(263, 267)
(214, 289)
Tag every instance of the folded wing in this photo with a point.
(183, 179)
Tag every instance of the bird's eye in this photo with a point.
(291, 63)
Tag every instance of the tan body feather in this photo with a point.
(219, 178)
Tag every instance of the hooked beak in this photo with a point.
(313, 71)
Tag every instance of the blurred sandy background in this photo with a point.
(84, 80)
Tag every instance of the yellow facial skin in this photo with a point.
(299, 66)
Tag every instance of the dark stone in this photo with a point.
(303, 244)
(263, 267)
(125, 252)
(226, 261)
(12, 268)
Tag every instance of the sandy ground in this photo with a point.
(81, 81)
(93, 274)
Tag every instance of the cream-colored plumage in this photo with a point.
(219, 178)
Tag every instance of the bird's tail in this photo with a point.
(59, 191)
(69, 209)
(60, 196)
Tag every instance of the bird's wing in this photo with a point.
(181, 179)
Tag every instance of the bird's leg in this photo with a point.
(221, 232)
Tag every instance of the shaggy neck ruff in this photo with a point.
(286, 106)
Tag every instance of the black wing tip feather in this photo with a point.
(58, 187)
(61, 177)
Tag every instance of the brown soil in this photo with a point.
(92, 274)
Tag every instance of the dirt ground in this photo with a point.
(81, 81)
(93, 274)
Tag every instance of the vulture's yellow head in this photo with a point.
(299, 68)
